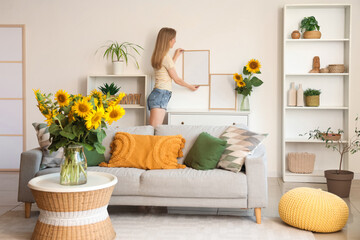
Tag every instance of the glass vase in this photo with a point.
(243, 103)
(73, 166)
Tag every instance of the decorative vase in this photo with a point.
(312, 101)
(118, 67)
(339, 182)
(73, 166)
(300, 96)
(292, 95)
(295, 34)
(312, 35)
(243, 103)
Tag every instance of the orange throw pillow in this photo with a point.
(145, 151)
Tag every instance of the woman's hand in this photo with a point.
(177, 53)
(194, 87)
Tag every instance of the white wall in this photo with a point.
(62, 37)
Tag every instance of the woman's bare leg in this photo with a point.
(157, 116)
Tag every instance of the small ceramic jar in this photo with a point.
(295, 34)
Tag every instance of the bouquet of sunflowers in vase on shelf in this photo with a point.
(246, 81)
(78, 121)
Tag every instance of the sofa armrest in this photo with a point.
(29, 165)
(256, 173)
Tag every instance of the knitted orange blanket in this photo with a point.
(145, 151)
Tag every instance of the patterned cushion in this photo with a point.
(49, 159)
(240, 143)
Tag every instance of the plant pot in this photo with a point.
(339, 182)
(312, 34)
(331, 136)
(118, 67)
(312, 101)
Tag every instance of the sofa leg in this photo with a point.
(258, 215)
(27, 209)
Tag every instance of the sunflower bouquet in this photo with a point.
(244, 85)
(76, 120)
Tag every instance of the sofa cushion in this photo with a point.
(49, 159)
(205, 153)
(193, 183)
(240, 143)
(190, 133)
(111, 131)
(128, 178)
(145, 151)
(93, 158)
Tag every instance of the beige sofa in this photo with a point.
(187, 187)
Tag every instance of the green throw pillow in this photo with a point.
(205, 153)
(93, 157)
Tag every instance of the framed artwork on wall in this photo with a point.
(196, 67)
(222, 92)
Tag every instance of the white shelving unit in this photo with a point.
(332, 48)
(130, 83)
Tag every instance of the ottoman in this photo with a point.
(313, 210)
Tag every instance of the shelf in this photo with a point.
(305, 140)
(317, 108)
(117, 76)
(317, 74)
(316, 176)
(317, 40)
(132, 106)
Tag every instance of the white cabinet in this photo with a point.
(332, 48)
(135, 114)
(206, 117)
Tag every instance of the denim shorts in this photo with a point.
(158, 98)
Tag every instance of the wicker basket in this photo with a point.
(336, 68)
(301, 162)
(312, 101)
(331, 136)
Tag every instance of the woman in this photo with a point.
(165, 71)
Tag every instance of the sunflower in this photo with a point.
(117, 100)
(82, 108)
(50, 117)
(71, 116)
(253, 66)
(241, 84)
(238, 77)
(93, 120)
(62, 97)
(114, 113)
(96, 93)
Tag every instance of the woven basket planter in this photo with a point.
(331, 136)
(301, 162)
(336, 68)
(312, 35)
(312, 101)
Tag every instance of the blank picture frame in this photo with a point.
(196, 67)
(222, 94)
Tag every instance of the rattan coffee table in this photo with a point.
(73, 212)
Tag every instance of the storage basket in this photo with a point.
(301, 162)
(331, 136)
(336, 68)
(312, 101)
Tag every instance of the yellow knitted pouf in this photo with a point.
(313, 210)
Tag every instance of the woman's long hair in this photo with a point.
(162, 46)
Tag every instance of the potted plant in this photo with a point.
(312, 97)
(120, 53)
(111, 89)
(310, 27)
(338, 180)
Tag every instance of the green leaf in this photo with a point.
(101, 135)
(256, 82)
(61, 143)
(87, 146)
(54, 129)
(93, 137)
(245, 71)
(76, 131)
(99, 148)
(67, 135)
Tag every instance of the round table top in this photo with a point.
(51, 183)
